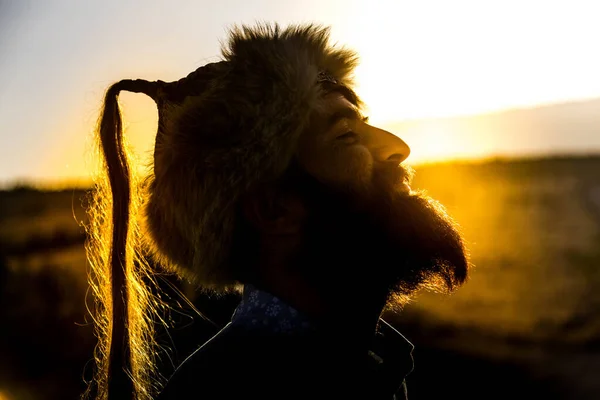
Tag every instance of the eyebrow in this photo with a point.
(344, 113)
(343, 90)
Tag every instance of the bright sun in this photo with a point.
(423, 59)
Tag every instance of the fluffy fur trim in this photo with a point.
(230, 126)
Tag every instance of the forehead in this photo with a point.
(332, 102)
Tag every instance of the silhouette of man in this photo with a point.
(268, 178)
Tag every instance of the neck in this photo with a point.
(351, 315)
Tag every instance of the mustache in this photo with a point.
(403, 174)
(389, 176)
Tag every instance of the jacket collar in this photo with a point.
(389, 359)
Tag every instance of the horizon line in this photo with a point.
(82, 183)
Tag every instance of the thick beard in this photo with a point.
(382, 242)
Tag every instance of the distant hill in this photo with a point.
(572, 127)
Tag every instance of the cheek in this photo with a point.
(348, 166)
(354, 166)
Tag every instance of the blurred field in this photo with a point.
(527, 325)
(532, 301)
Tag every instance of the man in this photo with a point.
(267, 178)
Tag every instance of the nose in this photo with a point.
(386, 146)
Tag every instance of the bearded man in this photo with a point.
(268, 179)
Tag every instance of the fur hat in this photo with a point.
(227, 127)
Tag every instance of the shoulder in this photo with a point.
(236, 362)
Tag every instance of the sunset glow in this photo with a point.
(419, 60)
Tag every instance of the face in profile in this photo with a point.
(366, 228)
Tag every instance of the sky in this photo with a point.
(419, 59)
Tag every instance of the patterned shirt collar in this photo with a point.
(261, 310)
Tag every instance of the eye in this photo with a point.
(348, 137)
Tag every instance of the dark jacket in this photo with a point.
(242, 364)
